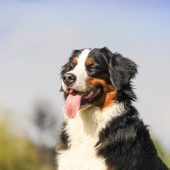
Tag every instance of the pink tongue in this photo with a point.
(72, 105)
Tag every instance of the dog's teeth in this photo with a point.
(89, 95)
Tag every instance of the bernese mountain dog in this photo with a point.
(102, 129)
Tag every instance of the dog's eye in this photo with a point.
(92, 68)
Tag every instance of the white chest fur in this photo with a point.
(83, 134)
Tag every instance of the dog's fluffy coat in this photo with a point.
(106, 133)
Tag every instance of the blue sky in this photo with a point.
(37, 37)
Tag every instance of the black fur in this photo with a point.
(63, 143)
(125, 144)
(64, 139)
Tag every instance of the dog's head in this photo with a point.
(96, 77)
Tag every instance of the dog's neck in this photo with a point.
(94, 119)
(91, 120)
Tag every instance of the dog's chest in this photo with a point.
(83, 132)
(82, 154)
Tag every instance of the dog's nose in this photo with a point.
(69, 79)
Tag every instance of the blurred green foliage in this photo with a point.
(17, 153)
(162, 152)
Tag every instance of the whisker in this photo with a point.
(90, 87)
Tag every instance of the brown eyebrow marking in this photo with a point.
(74, 60)
(89, 61)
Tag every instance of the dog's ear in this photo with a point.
(121, 69)
(65, 68)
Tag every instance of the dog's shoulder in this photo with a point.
(126, 144)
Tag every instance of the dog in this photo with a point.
(102, 129)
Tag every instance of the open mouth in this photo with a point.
(75, 100)
(92, 96)
(88, 97)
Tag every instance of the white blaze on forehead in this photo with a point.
(80, 71)
(81, 61)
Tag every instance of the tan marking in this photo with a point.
(70, 91)
(74, 61)
(110, 97)
(109, 94)
(89, 61)
(96, 82)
